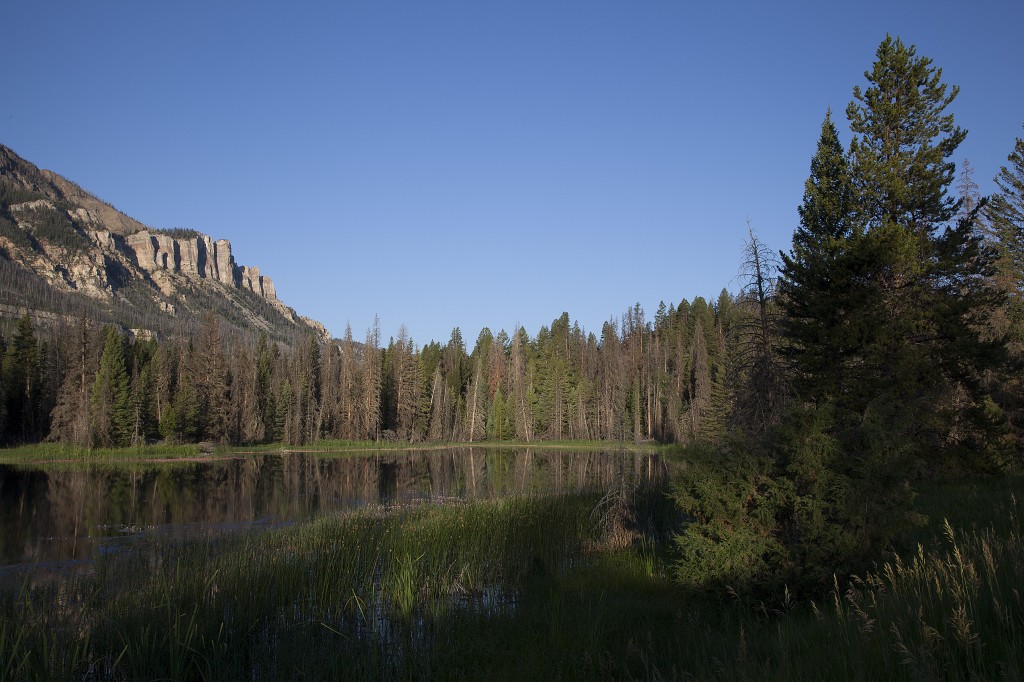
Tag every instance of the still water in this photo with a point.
(66, 514)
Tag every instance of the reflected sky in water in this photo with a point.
(74, 514)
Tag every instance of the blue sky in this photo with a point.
(475, 164)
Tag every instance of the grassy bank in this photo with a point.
(46, 453)
(542, 588)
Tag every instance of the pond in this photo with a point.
(61, 513)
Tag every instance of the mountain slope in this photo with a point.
(64, 252)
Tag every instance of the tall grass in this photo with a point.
(367, 584)
(950, 610)
(570, 587)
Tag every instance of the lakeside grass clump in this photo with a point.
(74, 454)
(567, 587)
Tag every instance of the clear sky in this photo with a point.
(475, 163)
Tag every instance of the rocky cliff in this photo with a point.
(53, 231)
(197, 257)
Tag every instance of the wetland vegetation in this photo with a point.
(569, 585)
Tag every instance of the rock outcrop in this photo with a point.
(227, 272)
(198, 257)
(257, 283)
(79, 244)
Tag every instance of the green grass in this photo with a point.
(62, 452)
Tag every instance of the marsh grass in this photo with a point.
(49, 453)
(71, 454)
(522, 588)
(368, 584)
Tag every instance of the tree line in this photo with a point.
(90, 384)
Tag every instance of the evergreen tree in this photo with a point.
(880, 289)
(113, 413)
(884, 296)
(371, 380)
(264, 396)
(611, 386)
(21, 384)
(143, 416)
(212, 382)
(499, 426)
(922, 279)
(311, 392)
(903, 140)
(182, 419)
(1005, 213)
(815, 286)
(70, 420)
(1005, 236)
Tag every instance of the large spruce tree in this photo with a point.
(1005, 214)
(882, 289)
(903, 141)
(816, 275)
(883, 295)
(1005, 234)
(20, 384)
(113, 417)
(920, 275)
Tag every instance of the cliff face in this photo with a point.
(196, 257)
(76, 243)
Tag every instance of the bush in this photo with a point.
(735, 503)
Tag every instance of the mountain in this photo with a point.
(64, 252)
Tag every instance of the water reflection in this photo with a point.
(56, 515)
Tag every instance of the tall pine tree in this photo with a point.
(815, 277)
(1005, 215)
(113, 413)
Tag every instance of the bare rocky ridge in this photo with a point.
(200, 257)
(75, 242)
